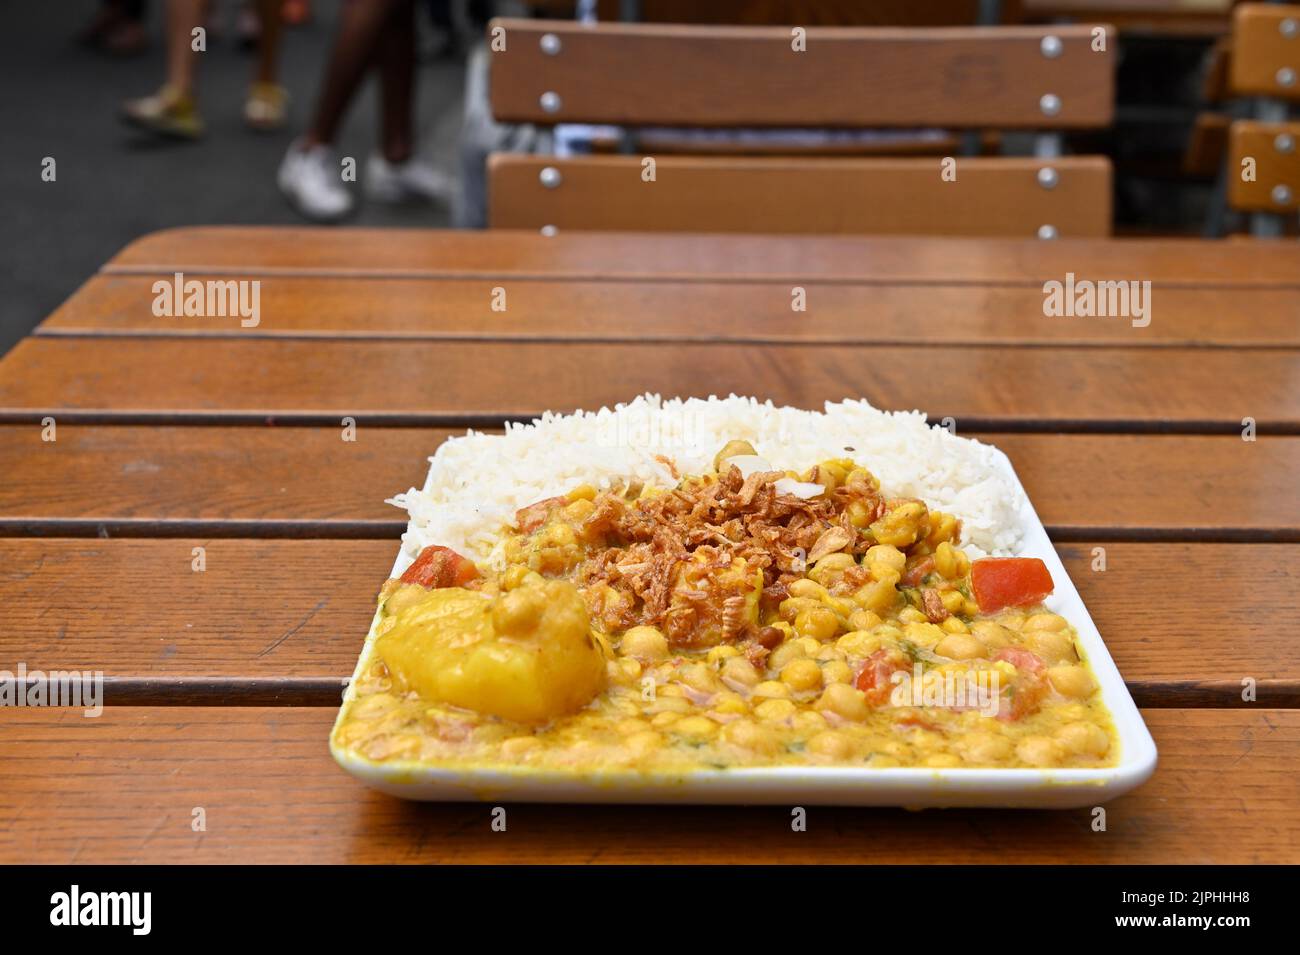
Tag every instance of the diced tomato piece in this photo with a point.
(999, 582)
(876, 676)
(1027, 690)
(529, 518)
(439, 566)
(1025, 660)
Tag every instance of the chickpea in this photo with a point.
(1039, 751)
(644, 643)
(695, 727)
(831, 567)
(721, 652)
(952, 601)
(750, 736)
(840, 605)
(514, 576)
(737, 672)
(983, 747)
(831, 744)
(959, 646)
(858, 644)
(886, 556)
(664, 720)
(1054, 646)
(862, 479)
(732, 449)
(790, 608)
(775, 711)
(806, 588)
(820, 623)
(954, 625)
(629, 668)
(859, 514)
(802, 675)
(945, 560)
(640, 744)
(786, 652)
(809, 721)
(943, 528)
(992, 635)
(901, 524)
(730, 703)
(924, 634)
(844, 701)
(863, 620)
(627, 727)
(877, 596)
(837, 672)
(1071, 680)
(1086, 738)
(912, 615)
(773, 689)
(698, 677)
(518, 611)
(811, 647)
(579, 510)
(1045, 621)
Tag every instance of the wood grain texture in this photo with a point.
(171, 380)
(253, 251)
(1260, 50)
(224, 481)
(282, 621)
(1274, 168)
(630, 311)
(993, 196)
(308, 482)
(122, 788)
(751, 76)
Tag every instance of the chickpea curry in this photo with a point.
(745, 617)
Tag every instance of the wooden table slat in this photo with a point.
(253, 251)
(282, 621)
(296, 481)
(122, 788)
(294, 306)
(439, 383)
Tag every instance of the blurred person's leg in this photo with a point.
(395, 173)
(361, 25)
(172, 110)
(268, 102)
(310, 174)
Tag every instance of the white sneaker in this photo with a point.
(403, 181)
(312, 182)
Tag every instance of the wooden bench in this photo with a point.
(1263, 171)
(1015, 78)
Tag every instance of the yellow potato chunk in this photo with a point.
(527, 655)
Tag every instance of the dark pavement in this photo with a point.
(113, 184)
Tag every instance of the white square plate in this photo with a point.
(812, 785)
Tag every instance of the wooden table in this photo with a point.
(177, 433)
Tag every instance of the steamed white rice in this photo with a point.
(477, 482)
